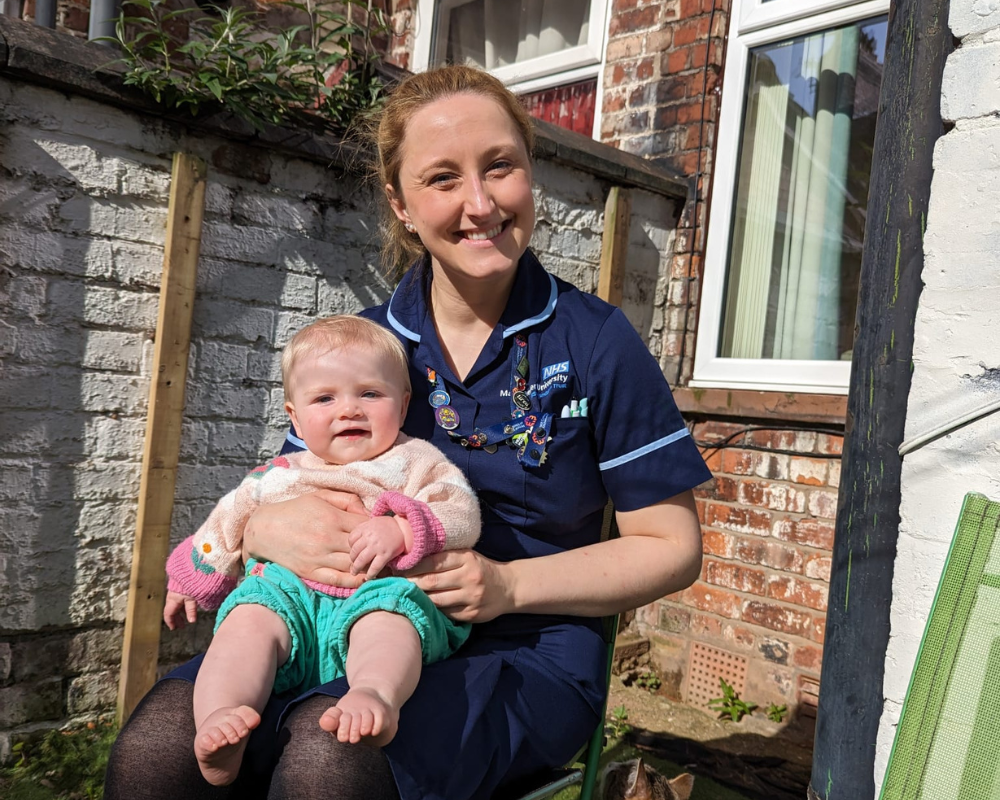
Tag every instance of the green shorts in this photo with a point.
(319, 624)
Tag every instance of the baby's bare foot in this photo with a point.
(362, 714)
(220, 742)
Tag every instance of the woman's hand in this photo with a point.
(464, 585)
(308, 535)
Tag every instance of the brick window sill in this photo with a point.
(743, 403)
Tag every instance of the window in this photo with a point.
(530, 45)
(783, 254)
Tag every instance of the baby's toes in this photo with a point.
(330, 721)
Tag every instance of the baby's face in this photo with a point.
(347, 404)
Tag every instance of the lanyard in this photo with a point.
(526, 431)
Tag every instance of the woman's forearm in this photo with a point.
(659, 552)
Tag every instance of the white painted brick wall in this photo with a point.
(956, 336)
(83, 210)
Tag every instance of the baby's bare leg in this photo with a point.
(383, 667)
(233, 685)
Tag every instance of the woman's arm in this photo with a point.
(308, 535)
(658, 552)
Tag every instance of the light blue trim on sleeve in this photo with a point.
(545, 313)
(411, 335)
(649, 448)
(295, 440)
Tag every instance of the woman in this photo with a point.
(498, 349)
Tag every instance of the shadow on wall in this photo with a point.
(57, 530)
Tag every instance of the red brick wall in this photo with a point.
(571, 107)
(768, 524)
(72, 16)
(664, 59)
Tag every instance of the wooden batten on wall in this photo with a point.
(163, 432)
(614, 245)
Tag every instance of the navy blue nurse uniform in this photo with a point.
(526, 690)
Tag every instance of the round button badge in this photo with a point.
(438, 398)
(522, 401)
(447, 417)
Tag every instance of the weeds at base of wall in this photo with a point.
(66, 764)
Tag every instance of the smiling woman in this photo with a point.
(496, 346)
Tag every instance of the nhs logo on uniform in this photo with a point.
(554, 369)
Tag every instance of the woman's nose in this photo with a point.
(478, 202)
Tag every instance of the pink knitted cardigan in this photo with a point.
(412, 479)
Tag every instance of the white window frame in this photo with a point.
(555, 69)
(756, 23)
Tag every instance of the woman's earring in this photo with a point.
(410, 227)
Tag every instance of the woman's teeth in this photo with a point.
(480, 237)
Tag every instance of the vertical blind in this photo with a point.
(792, 241)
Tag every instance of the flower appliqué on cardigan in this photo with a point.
(259, 472)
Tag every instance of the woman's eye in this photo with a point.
(443, 179)
(501, 165)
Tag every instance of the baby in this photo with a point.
(346, 389)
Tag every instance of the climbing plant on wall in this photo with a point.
(320, 70)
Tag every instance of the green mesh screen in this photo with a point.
(948, 741)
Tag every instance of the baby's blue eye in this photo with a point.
(369, 395)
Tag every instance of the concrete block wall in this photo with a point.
(83, 208)
(955, 362)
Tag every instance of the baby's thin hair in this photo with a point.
(344, 330)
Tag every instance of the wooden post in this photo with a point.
(614, 245)
(864, 548)
(163, 432)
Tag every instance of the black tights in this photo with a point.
(153, 758)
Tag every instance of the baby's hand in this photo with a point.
(374, 544)
(178, 608)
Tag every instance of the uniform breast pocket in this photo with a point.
(567, 488)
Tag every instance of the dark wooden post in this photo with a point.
(857, 633)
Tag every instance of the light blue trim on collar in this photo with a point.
(649, 448)
(295, 440)
(545, 313)
(411, 335)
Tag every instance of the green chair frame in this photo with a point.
(550, 783)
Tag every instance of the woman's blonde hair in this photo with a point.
(344, 330)
(388, 132)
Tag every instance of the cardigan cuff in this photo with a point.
(428, 532)
(189, 575)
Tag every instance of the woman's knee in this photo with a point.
(314, 766)
(153, 756)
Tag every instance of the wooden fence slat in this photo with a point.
(614, 245)
(163, 432)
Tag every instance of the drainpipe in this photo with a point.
(45, 13)
(864, 548)
(103, 15)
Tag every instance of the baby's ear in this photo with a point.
(290, 410)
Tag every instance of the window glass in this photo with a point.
(801, 195)
(497, 33)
